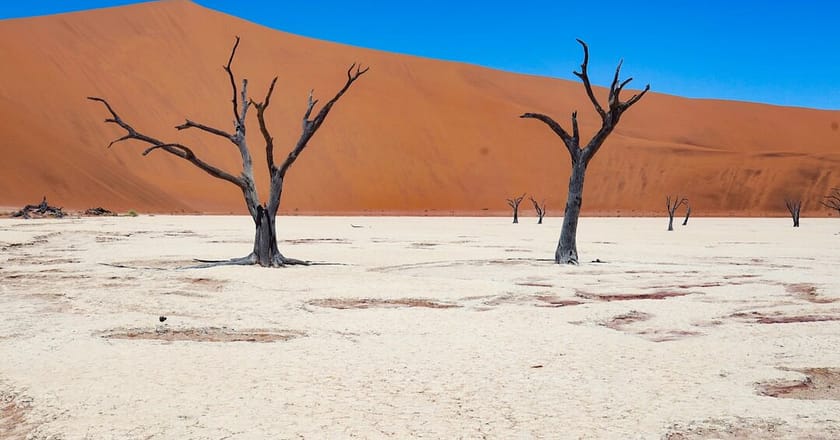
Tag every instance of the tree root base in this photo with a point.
(252, 260)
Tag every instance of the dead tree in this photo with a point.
(514, 203)
(794, 206)
(42, 209)
(265, 251)
(539, 208)
(832, 201)
(566, 252)
(687, 212)
(672, 209)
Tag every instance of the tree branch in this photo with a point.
(269, 140)
(635, 98)
(514, 202)
(614, 88)
(233, 80)
(311, 126)
(570, 141)
(175, 149)
(584, 76)
(208, 129)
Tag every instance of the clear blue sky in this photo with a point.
(780, 52)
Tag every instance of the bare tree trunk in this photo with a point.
(540, 210)
(265, 252)
(687, 215)
(672, 209)
(514, 204)
(566, 252)
(794, 207)
(567, 248)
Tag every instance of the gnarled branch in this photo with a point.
(269, 140)
(584, 76)
(208, 129)
(233, 81)
(832, 200)
(172, 148)
(310, 126)
(571, 141)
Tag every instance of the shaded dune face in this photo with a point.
(414, 136)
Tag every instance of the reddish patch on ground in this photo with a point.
(203, 334)
(779, 318)
(668, 335)
(14, 424)
(367, 303)
(818, 384)
(618, 322)
(808, 292)
(629, 296)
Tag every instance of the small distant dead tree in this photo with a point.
(514, 203)
(566, 252)
(672, 209)
(539, 208)
(42, 209)
(687, 213)
(794, 206)
(832, 201)
(265, 251)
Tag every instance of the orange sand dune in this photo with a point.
(413, 136)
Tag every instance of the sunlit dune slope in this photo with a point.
(412, 136)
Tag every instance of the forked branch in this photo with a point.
(609, 117)
(310, 126)
(540, 208)
(514, 203)
(832, 200)
(208, 129)
(672, 209)
(269, 140)
(584, 77)
(233, 80)
(172, 148)
(571, 141)
(794, 207)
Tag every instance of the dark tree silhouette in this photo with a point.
(832, 201)
(672, 209)
(514, 203)
(41, 210)
(265, 251)
(794, 207)
(687, 212)
(539, 208)
(566, 252)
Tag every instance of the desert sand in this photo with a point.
(416, 135)
(424, 327)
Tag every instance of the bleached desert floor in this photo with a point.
(431, 327)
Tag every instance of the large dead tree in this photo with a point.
(672, 209)
(832, 201)
(540, 208)
(514, 204)
(265, 251)
(566, 252)
(794, 207)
